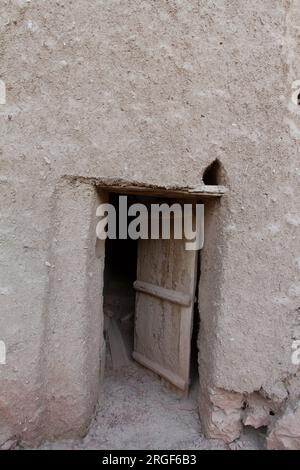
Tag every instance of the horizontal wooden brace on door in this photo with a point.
(166, 374)
(173, 296)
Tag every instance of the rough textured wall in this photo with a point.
(254, 313)
(154, 91)
(73, 345)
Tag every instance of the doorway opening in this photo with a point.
(150, 304)
(119, 294)
(76, 289)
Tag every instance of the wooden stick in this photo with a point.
(117, 347)
(173, 296)
(166, 374)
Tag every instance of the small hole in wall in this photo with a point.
(298, 99)
(272, 413)
(212, 174)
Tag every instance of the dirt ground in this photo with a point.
(140, 412)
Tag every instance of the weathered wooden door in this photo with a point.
(166, 279)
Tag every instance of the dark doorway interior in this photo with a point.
(194, 367)
(119, 276)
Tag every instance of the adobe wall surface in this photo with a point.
(153, 91)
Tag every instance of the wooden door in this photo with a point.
(166, 279)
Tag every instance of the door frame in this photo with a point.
(73, 353)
